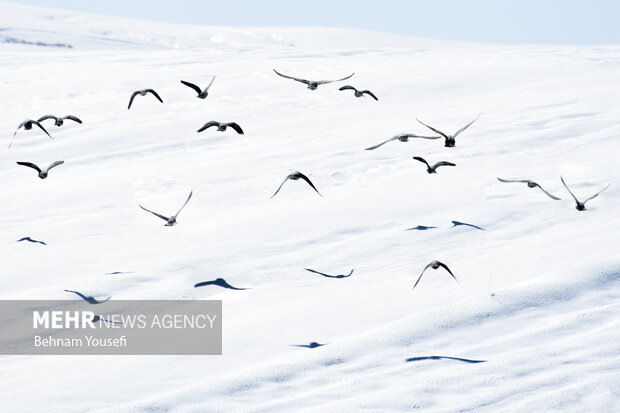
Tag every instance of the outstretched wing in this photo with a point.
(324, 82)
(525, 181)
(445, 267)
(73, 118)
(154, 94)
(133, 95)
(210, 83)
(42, 118)
(433, 129)
(348, 87)
(208, 125)
(42, 128)
(236, 127)
(282, 184)
(193, 86)
(53, 165)
(305, 178)
(30, 165)
(368, 92)
(291, 77)
(419, 158)
(383, 143)
(569, 191)
(443, 163)
(154, 213)
(465, 127)
(547, 193)
(186, 201)
(596, 194)
(420, 277)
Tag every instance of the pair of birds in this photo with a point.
(202, 93)
(29, 123)
(314, 84)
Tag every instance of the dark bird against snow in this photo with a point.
(170, 221)
(330, 276)
(34, 241)
(434, 265)
(88, 298)
(359, 93)
(450, 140)
(42, 173)
(222, 126)
(27, 125)
(201, 93)
(581, 206)
(402, 137)
(294, 176)
(313, 344)
(433, 169)
(530, 184)
(59, 121)
(143, 92)
(458, 224)
(312, 84)
(220, 282)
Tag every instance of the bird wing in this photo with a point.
(186, 201)
(525, 181)
(596, 194)
(419, 158)
(133, 95)
(42, 118)
(154, 213)
(433, 129)
(54, 165)
(569, 191)
(291, 77)
(305, 178)
(193, 86)
(154, 94)
(280, 187)
(443, 163)
(348, 87)
(465, 127)
(30, 165)
(547, 193)
(202, 284)
(73, 118)
(368, 92)
(444, 266)
(210, 83)
(208, 125)
(323, 82)
(383, 143)
(420, 277)
(411, 135)
(42, 128)
(236, 127)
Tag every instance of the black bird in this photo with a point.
(220, 282)
(59, 121)
(434, 265)
(312, 84)
(313, 344)
(419, 228)
(170, 221)
(27, 125)
(581, 206)
(294, 176)
(34, 241)
(403, 137)
(42, 173)
(442, 358)
(450, 139)
(433, 169)
(530, 184)
(458, 223)
(142, 93)
(201, 93)
(222, 126)
(331, 276)
(88, 298)
(359, 93)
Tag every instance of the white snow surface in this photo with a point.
(538, 297)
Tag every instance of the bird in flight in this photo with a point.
(59, 121)
(312, 84)
(27, 125)
(222, 126)
(42, 173)
(170, 221)
(450, 140)
(530, 184)
(313, 344)
(581, 206)
(220, 282)
(294, 176)
(88, 298)
(201, 93)
(433, 169)
(359, 93)
(434, 265)
(143, 92)
(458, 223)
(402, 137)
(330, 276)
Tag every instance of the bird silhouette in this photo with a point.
(201, 93)
(458, 223)
(27, 125)
(359, 93)
(34, 241)
(170, 221)
(59, 121)
(330, 276)
(434, 265)
(42, 172)
(312, 84)
(419, 228)
(581, 206)
(294, 176)
(89, 299)
(143, 92)
(433, 169)
(450, 140)
(222, 126)
(313, 344)
(402, 137)
(220, 282)
(530, 184)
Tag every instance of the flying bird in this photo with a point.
(201, 93)
(530, 184)
(88, 298)
(27, 125)
(313, 344)
(434, 265)
(450, 140)
(42, 173)
(170, 221)
(403, 137)
(359, 93)
(420, 228)
(222, 126)
(59, 121)
(294, 176)
(433, 169)
(581, 206)
(220, 282)
(330, 276)
(458, 223)
(142, 93)
(34, 241)
(312, 84)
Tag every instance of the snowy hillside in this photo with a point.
(538, 297)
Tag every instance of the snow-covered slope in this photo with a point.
(539, 287)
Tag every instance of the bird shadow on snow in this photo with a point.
(411, 359)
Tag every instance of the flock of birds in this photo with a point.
(449, 142)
